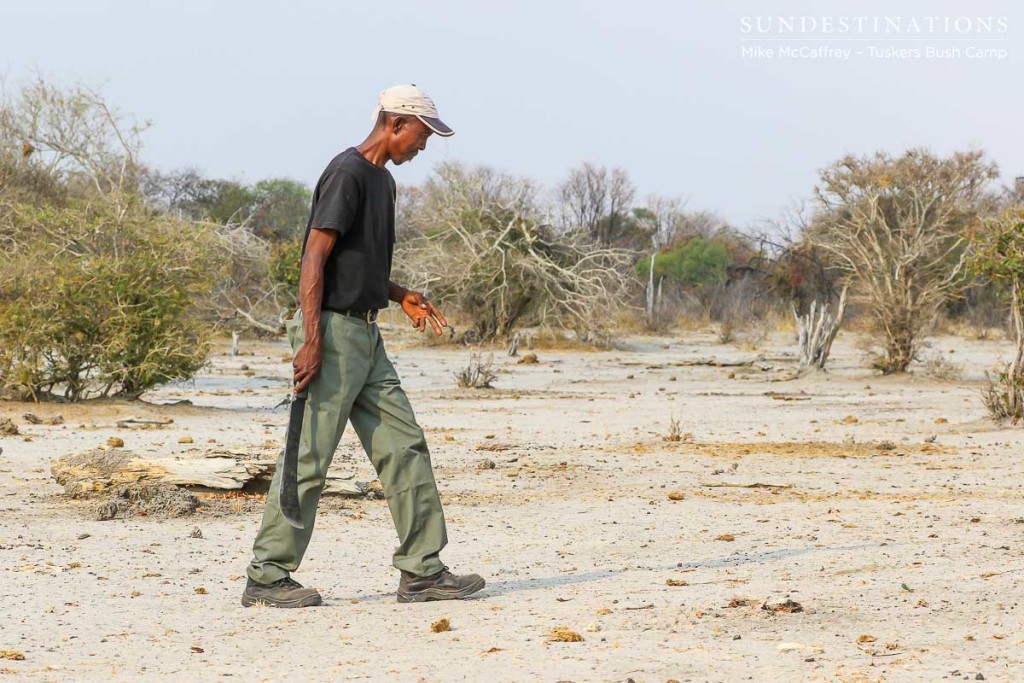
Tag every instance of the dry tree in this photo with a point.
(897, 227)
(483, 240)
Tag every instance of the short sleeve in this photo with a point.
(337, 203)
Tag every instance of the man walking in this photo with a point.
(339, 359)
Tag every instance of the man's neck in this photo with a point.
(374, 149)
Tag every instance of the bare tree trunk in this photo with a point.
(651, 294)
(817, 330)
(513, 347)
(1013, 375)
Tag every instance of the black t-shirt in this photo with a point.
(357, 199)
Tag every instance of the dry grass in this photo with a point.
(478, 374)
(792, 449)
(674, 431)
(562, 634)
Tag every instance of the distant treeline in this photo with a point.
(115, 275)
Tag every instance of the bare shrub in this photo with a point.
(478, 373)
(1003, 396)
(253, 282)
(756, 334)
(727, 332)
(75, 138)
(937, 366)
(997, 256)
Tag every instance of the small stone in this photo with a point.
(82, 537)
(441, 625)
(486, 464)
(196, 533)
(115, 442)
(185, 439)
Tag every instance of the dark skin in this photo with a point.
(397, 139)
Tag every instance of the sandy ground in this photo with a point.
(893, 517)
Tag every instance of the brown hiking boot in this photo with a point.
(285, 592)
(441, 586)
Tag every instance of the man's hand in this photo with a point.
(307, 364)
(422, 311)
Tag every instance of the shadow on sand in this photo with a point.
(505, 587)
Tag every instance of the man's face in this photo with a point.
(408, 138)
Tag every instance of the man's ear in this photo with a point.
(398, 123)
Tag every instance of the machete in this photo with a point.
(288, 494)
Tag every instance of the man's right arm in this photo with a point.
(311, 294)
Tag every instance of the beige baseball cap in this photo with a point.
(408, 99)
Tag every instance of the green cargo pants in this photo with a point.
(356, 382)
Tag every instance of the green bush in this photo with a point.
(96, 298)
(694, 262)
(285, 263)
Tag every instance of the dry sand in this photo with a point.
(892, 515)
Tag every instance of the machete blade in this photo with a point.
(288, 494)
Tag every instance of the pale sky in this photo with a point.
(258, 89)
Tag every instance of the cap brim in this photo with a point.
(437, 125)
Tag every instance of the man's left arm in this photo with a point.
(416, 307)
